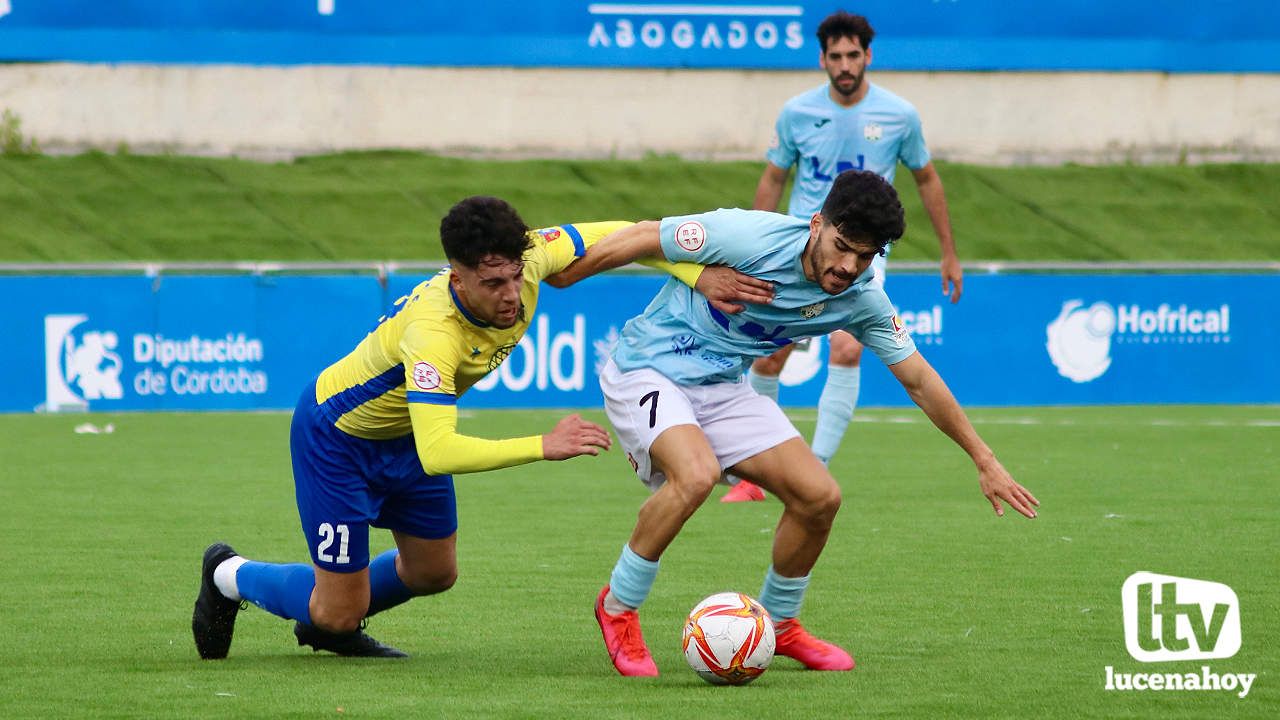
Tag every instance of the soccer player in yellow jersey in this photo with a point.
(374, 439)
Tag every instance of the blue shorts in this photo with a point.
(344, 484)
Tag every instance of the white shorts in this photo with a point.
(643, 403)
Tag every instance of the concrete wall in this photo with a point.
(991, 118)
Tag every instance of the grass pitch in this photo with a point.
(949, 611)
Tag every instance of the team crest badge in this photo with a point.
(549, 234)
(813, 311)
(900, 333)
(872, 132)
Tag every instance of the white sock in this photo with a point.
(614, 606)
(224, 576)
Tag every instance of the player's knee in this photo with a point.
(694, 482)
(771, 366)
(845, 351)
(429, 581)
(818, 509)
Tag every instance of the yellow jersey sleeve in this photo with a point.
(431, 357)
(686, 272)
(555, 248)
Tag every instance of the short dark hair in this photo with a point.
(841, 24)
(480, 226)
(864, 207)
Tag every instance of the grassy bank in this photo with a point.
(387, 206)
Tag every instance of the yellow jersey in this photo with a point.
(408, 373)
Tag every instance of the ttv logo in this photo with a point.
(1173, 618)
(815, 164)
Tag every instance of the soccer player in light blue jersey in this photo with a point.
(846, 123)
(675, 396)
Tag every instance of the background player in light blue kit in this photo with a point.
(846, 123)
(674, 392)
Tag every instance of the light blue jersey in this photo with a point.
(681, 336)
(823, 139)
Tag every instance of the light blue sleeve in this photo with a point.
(719, 237)
(912, 151)
(877, 326)
(782, 151)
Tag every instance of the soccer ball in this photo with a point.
(728, 639)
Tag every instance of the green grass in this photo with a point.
(950, 611)
(387, 206)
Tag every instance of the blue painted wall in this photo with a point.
(1165, 35)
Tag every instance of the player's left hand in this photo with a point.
(952, 278)
(726, 289)
(997, 484)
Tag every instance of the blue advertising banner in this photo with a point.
(250, 342)
(1162, 35)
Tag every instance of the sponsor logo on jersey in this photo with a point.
(425, 376)
(872, 132)
(900, 333)
(822, 122)
(691, 235)
(684, 344)
(814, 310)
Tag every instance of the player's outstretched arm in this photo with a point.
(614, 250)
(927, 389)
(725, 288)
(573, 436)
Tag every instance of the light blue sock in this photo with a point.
(765, 385)
(835, 409)
(386, 589)
(283, 590)
(632, 578)
(782, 596)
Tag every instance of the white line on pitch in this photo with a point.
(1065, 422)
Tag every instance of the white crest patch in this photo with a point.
(425, 376)
(872, 132)
(691, 235)
(900, 333)
(813, 311)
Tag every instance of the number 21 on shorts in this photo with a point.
(328, 533)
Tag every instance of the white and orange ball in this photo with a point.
(729, 639)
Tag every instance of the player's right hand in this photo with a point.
(726, 289)
(574, 436)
